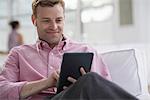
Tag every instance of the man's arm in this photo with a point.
(100, 67)
(36, 86)
(12, 88)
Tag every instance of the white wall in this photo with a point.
(136, 33)
(148, 32)
(101, 33)
(3, 39)
(110, 31)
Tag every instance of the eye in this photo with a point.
(59, 20)
(45, 21)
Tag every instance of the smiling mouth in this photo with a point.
(51, 32)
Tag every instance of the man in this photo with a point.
(32, 71)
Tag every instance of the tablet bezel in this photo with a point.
(71, 64)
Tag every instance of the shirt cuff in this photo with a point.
(15, 90)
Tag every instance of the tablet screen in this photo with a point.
(71, 64)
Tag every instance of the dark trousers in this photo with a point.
(91, 86)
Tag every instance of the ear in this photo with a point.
(33, 20)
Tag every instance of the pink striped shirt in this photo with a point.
(33, 62)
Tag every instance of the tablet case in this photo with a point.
(70, 66)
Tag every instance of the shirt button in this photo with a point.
(52, 54)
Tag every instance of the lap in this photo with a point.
(92, 86)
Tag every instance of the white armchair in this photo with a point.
(128, 71)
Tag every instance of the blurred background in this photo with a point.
(101, 23)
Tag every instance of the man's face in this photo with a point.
(50, 23)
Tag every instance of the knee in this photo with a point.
(93, 74)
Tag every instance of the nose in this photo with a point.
(53, 25)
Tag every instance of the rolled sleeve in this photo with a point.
(9, 90)
(10, 86)
(99, 67)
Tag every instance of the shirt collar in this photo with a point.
(42, 45)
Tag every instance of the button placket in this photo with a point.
(50, 60)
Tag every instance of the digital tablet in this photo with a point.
(71, 64)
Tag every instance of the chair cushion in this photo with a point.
(123, 68)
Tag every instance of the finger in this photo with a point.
(64, 87)
(56, 75)
(72, 79)
(82, 71)
(58, 72)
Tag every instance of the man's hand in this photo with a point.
(74, 80)
(33, 87)
(53, 79)
(82, 71)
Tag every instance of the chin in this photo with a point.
(54, 41)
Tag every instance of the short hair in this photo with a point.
(14, 24)
(46, 3)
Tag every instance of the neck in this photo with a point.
(52, 45)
